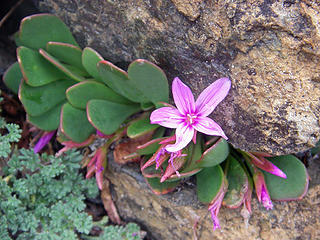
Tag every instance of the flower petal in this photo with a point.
(212, 96)
(166, 117)
(183, 97)
(208, 126)
(184, 134)
(44, 140)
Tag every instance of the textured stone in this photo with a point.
(173, 216)
(269, 49)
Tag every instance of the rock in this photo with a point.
(269, 49)
(174, 215)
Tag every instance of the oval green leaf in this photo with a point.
(295, 186)
(238, 183)
(12, 77)
(107, 116)
(36, 30)
(90, 59)
(66, 53)
(141, 127)
(209, 182)
(68, 71)
(39, 100)
(74, 123)
(36, 70)
(154, 88)
(118, 81)
(214, 155)
(161, 188)
(79, 95)
(48, 121)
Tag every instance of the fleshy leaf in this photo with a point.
(74, 123)
(16, 37)
(214, 155)
(48, 121)
(12, 77)
(107, 116)
(154, 88)
(66, 53)
(295, 186)
(90, 59)
(36, 30)
(69, 71)
(145, 106)
(209, 182)
(118, 81)
(238, 184)
(161, 188)
(38, 100)
(78, 95)
(141, 127)
(36, 70)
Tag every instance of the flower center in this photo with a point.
(190, 118)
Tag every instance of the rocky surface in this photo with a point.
(270, 50)
(174, 216)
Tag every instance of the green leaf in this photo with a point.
(238, 183)
(48, 121)
(35, 69)
(90, 59)
(141, 127)
(214, 155)
(145, 106)
(194, 154)
(12, 77)
(107, 116)
(74, 123)
(161, 188)
(16, 37)
(66, 53)
(209, 182)
(295, 186)
(36, 30)
(38, 100)
(62, 67)
(118, 81)
(78, 95)
(154, 88)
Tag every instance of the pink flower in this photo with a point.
(215, 205)
(258, 160)
(261, 189)
(190, 116)
(44, 140)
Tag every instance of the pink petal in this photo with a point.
(183, 97)
(266, 165)
(265, 198)
(184, 134)
(212, 96)
(166, 117)
(44, 140)
(208, 126)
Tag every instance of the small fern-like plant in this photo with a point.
(42, 197)
(11, 135)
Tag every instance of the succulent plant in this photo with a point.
(76, 91)
(62, 86)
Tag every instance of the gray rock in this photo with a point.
(269, 49)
